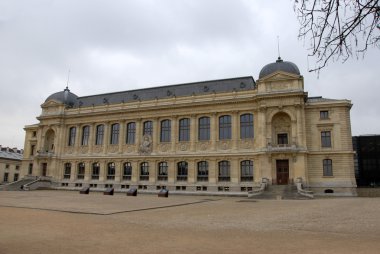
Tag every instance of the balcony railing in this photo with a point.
(162, 178)
(127, 177)
(202, 178)
(246, 179)
(224, 178)
(182, 178)
(144, 178)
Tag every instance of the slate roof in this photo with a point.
(279, 65)
(320, 99)
(162, 92)
(4, 154)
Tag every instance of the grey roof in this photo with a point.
(10, 155)
(320, 99)
(65, 96)
(279, 65)
(187, 89)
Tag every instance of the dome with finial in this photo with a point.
(279, 65)
(66, 97)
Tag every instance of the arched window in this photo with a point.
(131, 133)
(95, 171)
(204, 128)
(67, 172)
(327, 167)
(81, 170)
(202, 169)
(184, 129)
(182, 171)
(127, 171)
(224, 127)
(246, 169)
(144, 171)
(246, 126)
(224, 171)
(114, 134)
(85, 135)
(111, 171)
(148, 128)
(165, 131)
(99, 134)
(162, 171)
(72, 133)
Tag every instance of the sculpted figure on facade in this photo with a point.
(146, 145)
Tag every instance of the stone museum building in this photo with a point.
(212, 136)
(10, 164)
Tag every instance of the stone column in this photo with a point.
(212, 171)
(135, 171)
(156, 134)
(235, 129)
(118, 166)
(171, 171)
(87, 171)
(234, 170)
(138, 134)
(77, 138)
(214, 130)
(193, 132)
(91, 141)
(174, 133)
(122, 134)
(106, 137)
(192, 177)
(152, 171)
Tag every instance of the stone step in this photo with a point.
(280, 192)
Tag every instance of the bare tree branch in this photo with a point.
(338, 29)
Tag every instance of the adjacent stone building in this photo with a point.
(10, 164)
(221, 135)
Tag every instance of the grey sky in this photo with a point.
(128, 44)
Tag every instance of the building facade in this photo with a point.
(221, 135)
(367, 160)
(10, 164)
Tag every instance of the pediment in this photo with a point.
(279, 75)
(51, 103)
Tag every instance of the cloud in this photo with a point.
(120, 45)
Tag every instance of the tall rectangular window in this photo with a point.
(202, 174)
(282, 139)
(326, 139)
(6, 175)
(95, 171)
(182, 168)
(144, 171)
(165, 131)
(224, 171)
(85, 135)
(246, 126)
(204, 128)
(81, 170)
(67, 172)
(246, 168)
(99, 134)
(114, 134)
(224, 127)
(148, 128)
(327, 167)
(162, 171)
(72, 132)
(184, 129)
(131, 133)
(127, 171)
(111, 171)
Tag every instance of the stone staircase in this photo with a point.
(16, 186)
(281, 192)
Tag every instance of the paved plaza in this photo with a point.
(67, 222)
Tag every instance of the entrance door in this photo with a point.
(44, 169)
(282, 168)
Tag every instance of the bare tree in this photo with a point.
(338, 29)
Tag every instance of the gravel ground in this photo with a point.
(66, 222)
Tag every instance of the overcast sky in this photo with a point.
(119, 45)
